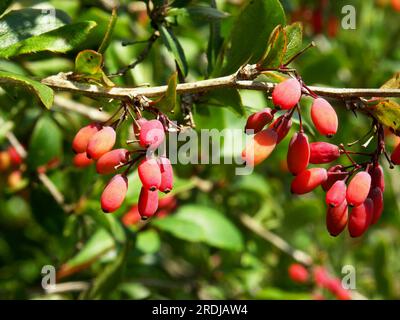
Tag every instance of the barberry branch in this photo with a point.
(60, 82)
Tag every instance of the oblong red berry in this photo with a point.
(108, 161)
(324, 117)
(168, 202)
(360, 218)
(336, 194)
(298, 273)
(336, 218)
(81, 160)
(132, 216)
(151, 134)
(358, 189)
(82, 137)
(282, 127)
(376, 196)
(148, 202)
(298, 154)
(114, 193)
(257, 121)
(395, 156)
(167, 175)
(335, 173)
(308, 180)
(149, 174)
(377, 177)
(137, 125)
(323, 152)
(101, 142)
(287, 94)
(260, 147)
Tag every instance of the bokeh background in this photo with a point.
(225, 236)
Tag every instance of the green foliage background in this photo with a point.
(203, 250)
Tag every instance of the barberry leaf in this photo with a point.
(168, 101)
(387, 113)
(249, 35)
(88, 62)
(60, 40)
(173, 46)
(294, 35)
(392, 83)
(276, 50)
(43, 92)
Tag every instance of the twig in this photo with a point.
(153, 38)
(70, 105)
(60, 82)
(68, 287)
(275, 240)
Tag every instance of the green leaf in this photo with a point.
(276, 49)
(4, 5)
(96, 246)
(168, 100)
(294, 35)
(43, 92)
(387, 113)
(88, 62)
(199, 13)
(173, 45)
(392, 83)
(45, 143)
(60, 40)
(111, 276)
(215, 42)
(18, 25)
(148, 241)
(109, 32)
(202, 224)
(180, 228)
(250, 32)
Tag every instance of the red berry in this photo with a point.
(257, 121)
(335, 173)
(15, 157)
(168, 203)
(336, 194)
(317, 21)
(396, 5)
(321, 276)
(81, 160)
(137, 125)
(334, 285)
(82, 137)
(167, 175)
(333, 26)
(336, 218)
(377, 177)
(260, 147)
(308, 180)
(324, 117)
(323, 152)
(376, 196)
(358, 189)
(132, 216)
(395, 156)
(108, 161)
(148, 202)
(151, 134)
(282, 127)
(298, 153)
(150, 174)
(287, 94)
(101, 142)
(360, 218)
(114, 193)
(298, 273)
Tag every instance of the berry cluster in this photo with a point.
(358, 186)
(11, 163)
(94, 143)
(321, 279)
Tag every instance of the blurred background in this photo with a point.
(217, 235)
